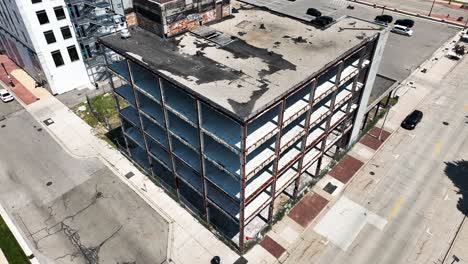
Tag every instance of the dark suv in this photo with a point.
(412, 120)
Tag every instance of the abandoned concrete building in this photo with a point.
(235, 109)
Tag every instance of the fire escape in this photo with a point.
(93, 19)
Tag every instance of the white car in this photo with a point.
(402, 30)
(5, 96)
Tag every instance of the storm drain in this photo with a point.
(329, 188)
(129, 175)
(48, 121)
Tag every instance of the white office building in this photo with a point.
(39, 37)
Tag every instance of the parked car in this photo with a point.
(5, 96)
(383, 20)
(402, 30)
(313, 12)
(412, 120)
(409, 23)
(322, 21)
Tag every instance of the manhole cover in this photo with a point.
(129, 175)
(372, 173)
(48, 121)
(49, 183)
(329, 188)
(445, 123)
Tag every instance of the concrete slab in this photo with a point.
(344, 221)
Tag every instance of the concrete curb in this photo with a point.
(17, 234)
(461, 25)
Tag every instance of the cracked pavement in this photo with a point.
(85, 215)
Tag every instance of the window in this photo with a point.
(42, 16)
(73, 53)
(36, 1)
(57, 56)
(59, 13)
(50, 37)
(66, 33)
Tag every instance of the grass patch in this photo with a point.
(10, 247)
(104, 106)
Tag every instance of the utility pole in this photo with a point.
(387, 109)
(8, 75)
(430, 11)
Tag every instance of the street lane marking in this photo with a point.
(437, 148)
(395, 208)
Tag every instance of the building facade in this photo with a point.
(238, 117)
(39, 37)
(93, 19)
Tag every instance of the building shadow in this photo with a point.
(457, 171)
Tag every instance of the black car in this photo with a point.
(412, 120)
(409, 23)
(313, 12)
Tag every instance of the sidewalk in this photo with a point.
(19, 89)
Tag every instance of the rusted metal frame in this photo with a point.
(260, 189)
(142, 128)
(328, 122)
(364, 123)
(175, 83)
(116, 101)
(211, 203)
(277, 158)
(243, 158)
(304, 139)
(267, 135)
(168, 136)
(222, 190)
(213, 135)
(257, 211)
(289, 182)
(327, 68)
(362, 52)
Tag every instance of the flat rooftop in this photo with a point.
(271, 55)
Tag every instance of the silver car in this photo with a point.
(5, 96)
(402, 30)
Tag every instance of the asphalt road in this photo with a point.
(73, 210)
(9, 108)
(402, 54)
(423, 7)
(414, 184)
